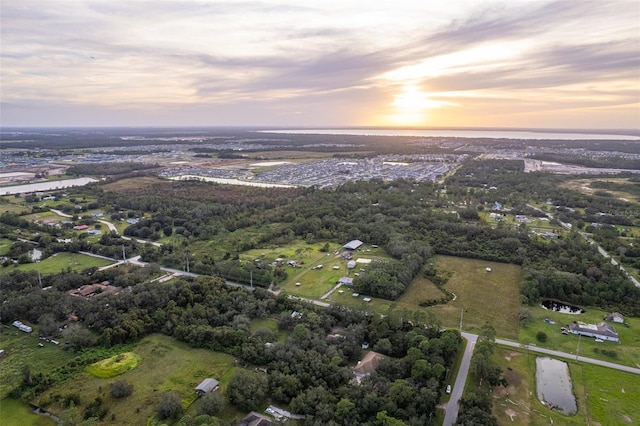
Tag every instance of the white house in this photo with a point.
(601, 330)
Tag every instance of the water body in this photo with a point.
(561, 307)
(553, 385)
(45, 186)
(475, 134)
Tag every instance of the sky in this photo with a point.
(569, 64)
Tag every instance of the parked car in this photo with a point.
(448, 388)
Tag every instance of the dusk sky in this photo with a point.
(535, 64)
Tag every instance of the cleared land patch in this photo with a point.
(481, 297)
(60, 262)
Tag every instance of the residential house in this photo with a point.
(367, 365)
(601, 330)
(346, 281)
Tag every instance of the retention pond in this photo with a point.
(554, 387)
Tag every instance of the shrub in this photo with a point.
(541, 336)
(169, 407)
(121, 389)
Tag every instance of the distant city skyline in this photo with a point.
(509, 64)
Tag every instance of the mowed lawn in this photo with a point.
(60, 262)
(627, 352)
(165, 365)
(485, 297)
(604, 396)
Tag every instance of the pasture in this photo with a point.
(480, 297)
(165, 365)
(60, 262)
(486, 297)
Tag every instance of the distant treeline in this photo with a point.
(108, 168)
(596, 162)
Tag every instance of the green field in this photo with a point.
(604, 396)
(60, 262)
(164, 365)
(486, 297)
(22, 350)
(627, 351)
(313, 283)
(5, 244)
(16, 413)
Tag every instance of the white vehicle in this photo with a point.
(448, 388)
(599, 340)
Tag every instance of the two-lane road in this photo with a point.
(458, 387)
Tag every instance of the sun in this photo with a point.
(411, 107)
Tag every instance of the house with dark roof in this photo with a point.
(207, 385)
(601, 330)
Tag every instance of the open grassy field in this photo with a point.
(14, 412)
(5, 244)
(485, 297)
(627, 351)
(22, 350)
(584, 186)
(269, 324)
(604, 396)
(313, 282)
(60, 262)
(165, 365)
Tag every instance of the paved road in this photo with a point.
(451, 413)
(568, 356)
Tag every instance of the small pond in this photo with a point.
(565, 308)
(553, 384)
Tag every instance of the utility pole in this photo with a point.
(578, 349)
(124, 256)
(461, 315)
(251, 279)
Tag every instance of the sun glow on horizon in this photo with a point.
(411, 107)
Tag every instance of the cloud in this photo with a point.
(271, 57)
